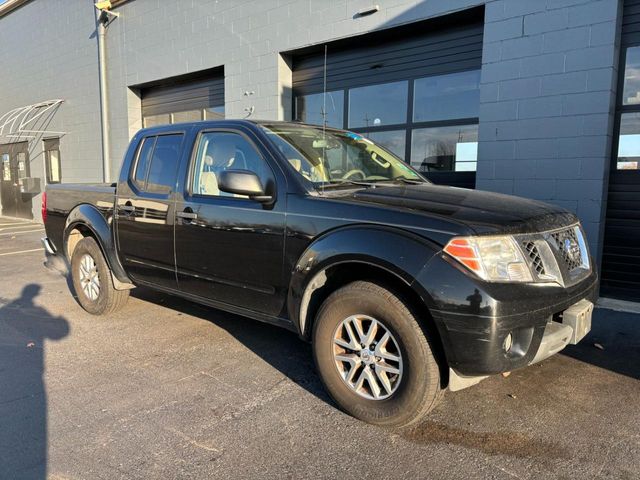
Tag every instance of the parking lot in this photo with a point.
(169, 389)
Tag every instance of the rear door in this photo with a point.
(145, 210)
(14, 160)
(229, 248)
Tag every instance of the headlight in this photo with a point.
(495, 259)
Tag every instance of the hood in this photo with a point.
(484, 212)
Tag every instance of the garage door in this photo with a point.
(621, 255)
(183, 99)
(414, 89)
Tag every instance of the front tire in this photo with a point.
(374, 358)
(92, 280)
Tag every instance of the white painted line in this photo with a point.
(618, 305)
(23, 231)
(16, 223)
(21, 251)
(31, 225)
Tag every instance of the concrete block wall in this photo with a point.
(46, 52)
(547, 99)
(158, 39)
(547, 93)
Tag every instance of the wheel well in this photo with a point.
(340, 275)
(78, 233)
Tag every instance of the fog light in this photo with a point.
(508, 343)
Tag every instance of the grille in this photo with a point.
(534, 256)
(568, 246)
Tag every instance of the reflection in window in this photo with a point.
(445, 148)
(394, 140)
(6, 167)
(376, 105)
(631, 89)
(629, 142)
(144, 155)
(164, 164)
(309, 108)
(22, 165)
(446, 97)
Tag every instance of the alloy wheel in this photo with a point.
(89, 279)
(367, 357)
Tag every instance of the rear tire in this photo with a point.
(92, 280)
(398, 356)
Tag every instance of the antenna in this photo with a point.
(324, 119)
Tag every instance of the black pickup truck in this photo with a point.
(403, 287)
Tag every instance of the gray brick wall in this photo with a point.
(547, 97)
(154, 40)
(46, 53)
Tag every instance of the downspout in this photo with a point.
(101, 26)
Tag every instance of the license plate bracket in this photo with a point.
(578, 316)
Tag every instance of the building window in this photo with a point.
(628, 113)
(378, 105)
(446, 97)
(213, 113)
(6, 167)
(445, 149)
(432, 122)
(318, 108)
(52, 160)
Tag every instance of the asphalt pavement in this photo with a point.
(169, 389)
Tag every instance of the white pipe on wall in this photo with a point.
(104, 105)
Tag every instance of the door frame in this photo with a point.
(15, 203)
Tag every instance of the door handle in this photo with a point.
(128, 207)
(187, 215)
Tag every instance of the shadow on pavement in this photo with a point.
(280, 348)
(613, 344)
(24, 327)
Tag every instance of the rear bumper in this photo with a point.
(475, 319)
(49, 249)
(52, 260)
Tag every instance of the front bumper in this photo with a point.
(475, 318)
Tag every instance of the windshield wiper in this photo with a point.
(337, 183)
(402, 179)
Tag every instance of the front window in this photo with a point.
(319, 109)
(378, 105)
(430, 122)
(336, 157)
(628, 154)
(439, 149)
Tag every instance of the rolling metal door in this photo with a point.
(173, 97)
(621, 253)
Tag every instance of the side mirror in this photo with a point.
(243, 182)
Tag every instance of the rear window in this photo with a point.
(157, 163)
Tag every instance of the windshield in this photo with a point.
(336, 157)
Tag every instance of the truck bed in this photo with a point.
(64, 197)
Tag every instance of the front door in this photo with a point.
(229, 248)
(14, 160)
(145, 212)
